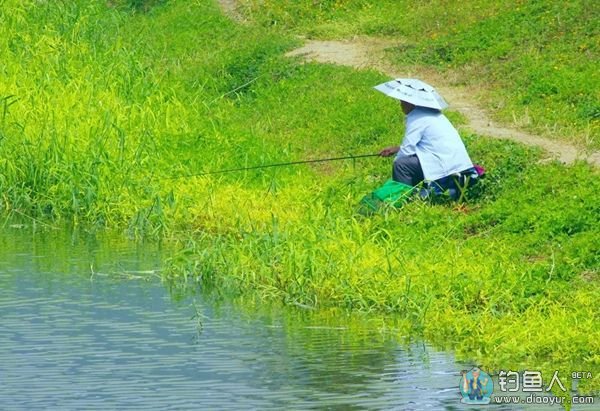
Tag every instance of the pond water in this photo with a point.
(85, 323)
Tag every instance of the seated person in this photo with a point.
(431, 150)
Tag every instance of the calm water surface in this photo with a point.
(85, 323)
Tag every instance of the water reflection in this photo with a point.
(86, 325)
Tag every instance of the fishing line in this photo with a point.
(290, 163)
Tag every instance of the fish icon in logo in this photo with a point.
(476, 387)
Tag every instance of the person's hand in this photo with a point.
(389, 151)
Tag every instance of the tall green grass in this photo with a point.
(97, 104)
(106, 111)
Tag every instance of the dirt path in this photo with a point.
(230, 8)
(368, 53)
(365, 52)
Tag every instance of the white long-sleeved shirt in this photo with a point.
(435, 141)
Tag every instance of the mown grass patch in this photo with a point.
(535, 61)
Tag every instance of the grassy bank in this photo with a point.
(106, 112)
(533, 63)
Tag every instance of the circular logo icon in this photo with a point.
(476, 387)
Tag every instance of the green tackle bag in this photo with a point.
(391, 193)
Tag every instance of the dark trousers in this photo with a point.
(407, 170)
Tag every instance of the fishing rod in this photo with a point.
(231, 170)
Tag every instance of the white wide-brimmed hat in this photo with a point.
(413, 91)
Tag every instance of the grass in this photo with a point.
(535, 63)
(105, 110)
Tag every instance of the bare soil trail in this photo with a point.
(368, 53)
(229, 7)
